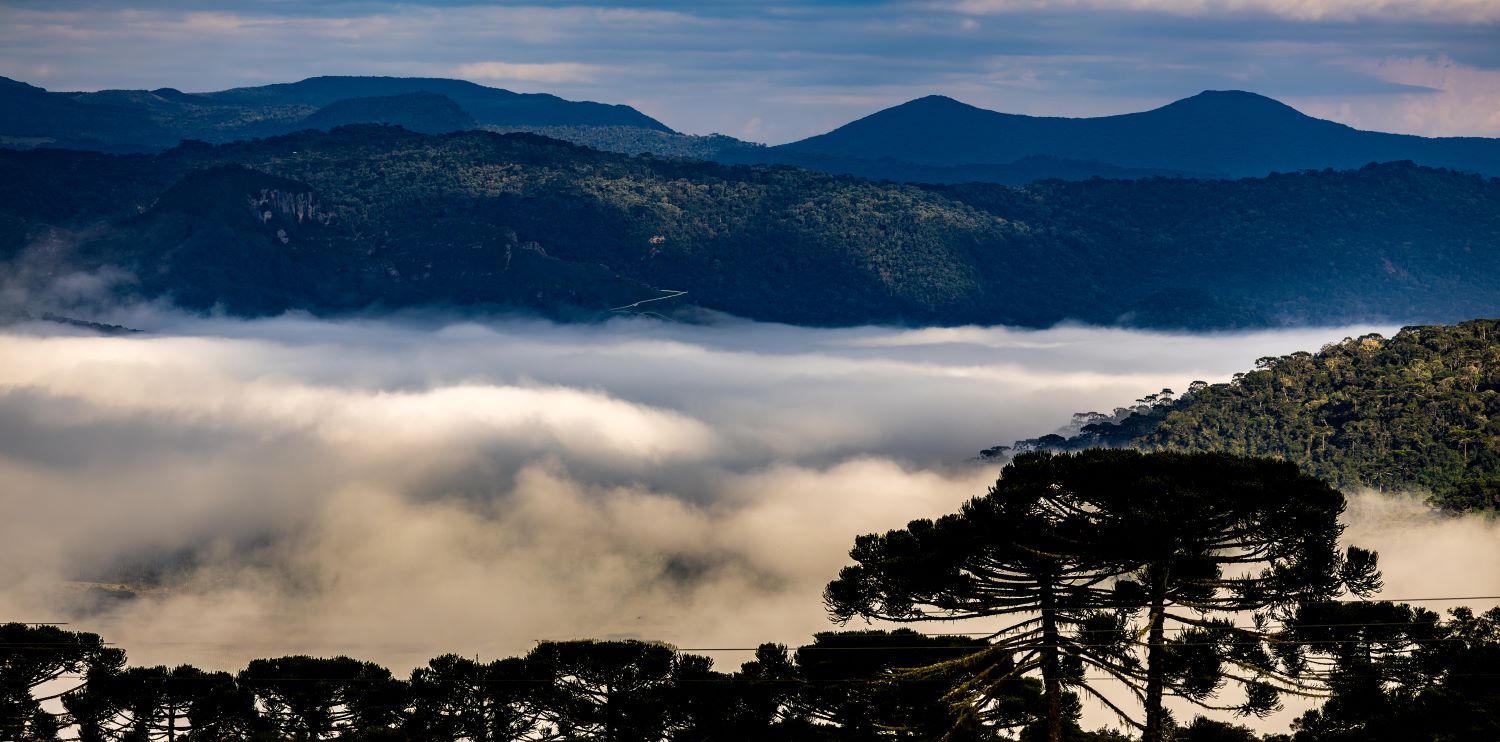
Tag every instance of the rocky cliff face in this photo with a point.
(302, 206)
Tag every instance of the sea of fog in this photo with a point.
(397, 489)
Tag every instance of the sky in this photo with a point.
(780, 71)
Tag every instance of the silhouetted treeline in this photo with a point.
(1417, 412)
(1110, 576)
(840, 687)
(1399, 674)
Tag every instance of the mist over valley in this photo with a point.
(393, 489)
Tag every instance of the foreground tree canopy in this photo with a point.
(1090, 559)
(1393, 674)
(1207, 577)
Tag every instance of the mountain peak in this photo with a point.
(1235, 102)
(933, 99)
(6, 82)
(934, 103)
(1214, 133)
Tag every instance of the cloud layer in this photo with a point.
(398, 489)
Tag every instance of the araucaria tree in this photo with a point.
(32, 657)
(1095, 557)
(1028, 551)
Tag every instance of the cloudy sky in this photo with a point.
(779, 71)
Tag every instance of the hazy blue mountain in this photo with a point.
(378, 216)
(487, 105)
(145, 121)
(635, 140)
(1225, 133)
(114, 120)
(429, 113)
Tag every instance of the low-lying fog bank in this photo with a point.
(394, 490)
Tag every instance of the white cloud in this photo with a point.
(801, 70)
(1464, 11)
(395, 490)
(549, 72)
(1464, 100)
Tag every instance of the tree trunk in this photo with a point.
(1051, 665)
(483, 726)
(1155, 656)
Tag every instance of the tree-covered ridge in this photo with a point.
(634, 140)
(1420, 410)
(412, 219)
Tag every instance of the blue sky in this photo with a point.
(778, 71)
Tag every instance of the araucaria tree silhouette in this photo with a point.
(1095, 557)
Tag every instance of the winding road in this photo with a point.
(671, 294)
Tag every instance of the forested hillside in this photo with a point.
(380, 216)
(1418, 411)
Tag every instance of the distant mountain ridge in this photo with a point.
(1223, 133)
(428, 113)
(487, 105)
(934, 139)
(154, 120)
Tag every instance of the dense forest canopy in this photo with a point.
(380, 216)
(1418, 411)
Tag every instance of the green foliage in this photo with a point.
(1419, 411)
(488, 220)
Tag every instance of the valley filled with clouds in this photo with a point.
(216, 490)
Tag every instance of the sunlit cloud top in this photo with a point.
(782, 71)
